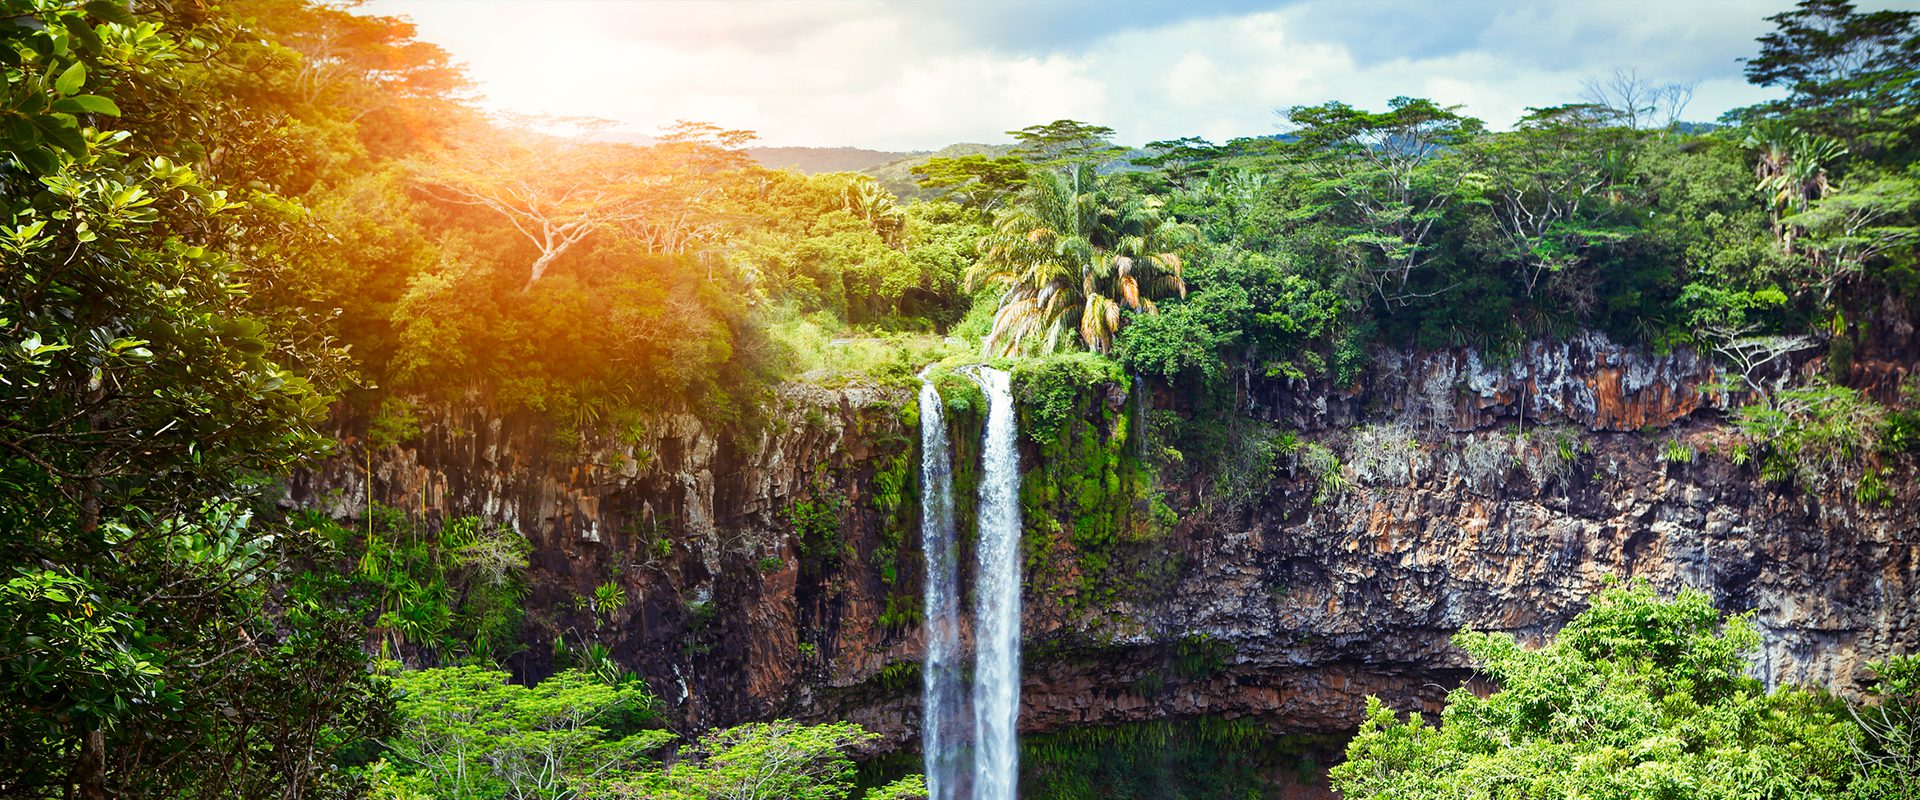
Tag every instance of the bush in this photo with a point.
(1549, 454)
(1254, 455)
(816, 527)
(1636, 697)
(1053, 389)
(1814, 436)
(394, 423)
(452, 593)
(1323, 466)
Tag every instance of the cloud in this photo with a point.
(921, 75)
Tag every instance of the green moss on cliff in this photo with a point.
(1094, 524)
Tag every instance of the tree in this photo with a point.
(554, 192)
(1547, 184)
(352, 61)
(1732, 323)
(1888, 749)
(1855, 226)
(768, 761)
(1635, 101)
(1070, 256)
(466, 732)
(1389, 181)
(1065, 145)
(153, 646)
(1184, 160)
(1636, 697)
(866, 198)
(1247, 309)
(1813, 436)
(976, 180)
(1851, 75)
(1790, 171)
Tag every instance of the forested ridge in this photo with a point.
(230, 226)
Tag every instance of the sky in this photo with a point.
(921, 74)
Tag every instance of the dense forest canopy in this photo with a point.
(226, 221)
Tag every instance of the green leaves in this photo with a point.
(111, 11)
(1069, 253)
(1637, 697)
(86, 104)
(468, 732)
(33, 347)
(71, 79)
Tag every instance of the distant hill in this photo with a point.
(812, 160)
(897, 175)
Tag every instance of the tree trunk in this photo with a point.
(90, 768)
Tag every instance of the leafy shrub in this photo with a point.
(455, 591)
(395, 422)
(1324, 467)
(469, 732)
(1901, 432)
(816, 527)
(1813, 436)
(1200, 655)
(1676, 452)
(608, 598)
(1184, 340)
(901, 611)
(819, 349)
(1888, 753)
(1549, 454)
(1636, 697)
(1051, 390)
(1254, 455)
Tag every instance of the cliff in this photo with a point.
(777, 573)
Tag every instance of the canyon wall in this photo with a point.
(1469, 493)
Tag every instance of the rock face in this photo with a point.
(1288, 607)
(1586, 379)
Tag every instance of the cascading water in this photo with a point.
(942, 730)
(996, 622)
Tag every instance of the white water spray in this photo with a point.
(996, 624)
(943, 732)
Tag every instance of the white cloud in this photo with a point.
(899, 76)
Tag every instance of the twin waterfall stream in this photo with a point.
(948, 741)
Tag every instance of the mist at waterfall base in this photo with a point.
(995, 694)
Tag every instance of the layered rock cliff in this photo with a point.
(777, 573)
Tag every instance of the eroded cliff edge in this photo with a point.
(1470, 493)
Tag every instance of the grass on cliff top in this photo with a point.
(818, 349)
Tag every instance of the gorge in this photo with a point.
(363, 437)
(1279, 600)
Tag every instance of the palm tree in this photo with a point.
(865, 197)
(1070, 256)
(1791, 171)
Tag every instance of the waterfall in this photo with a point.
(996, 622)
(943, 732)
(945, 737)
